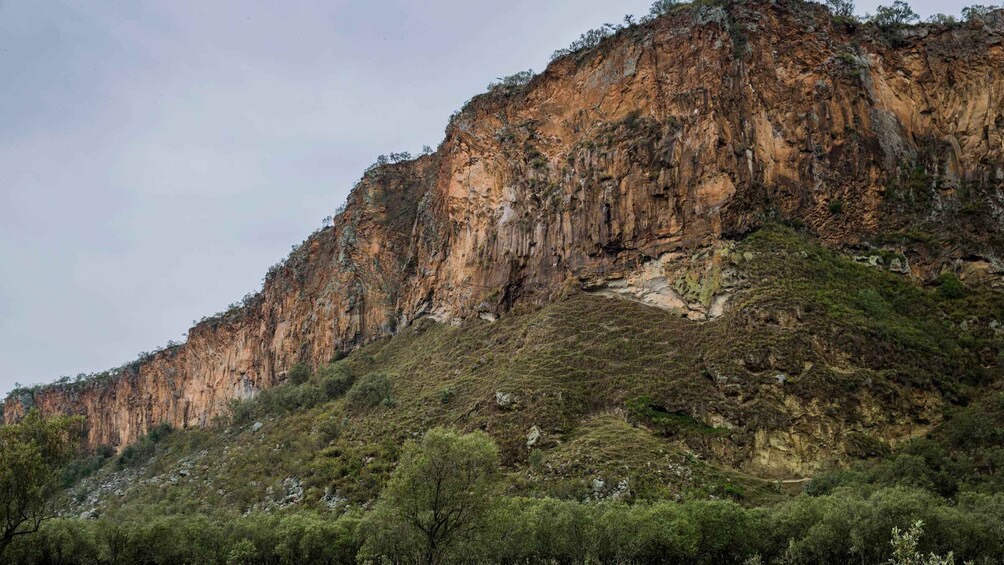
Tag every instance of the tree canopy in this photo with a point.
(32, 453)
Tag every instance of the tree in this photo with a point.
(32, 453)
(905, 552)
(436, 499)
(512, 81)
(660, 7)
(976, 12)
(900, 13)
(941, 19)
(299, 373)
(841, 8)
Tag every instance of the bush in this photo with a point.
(512, 81)
(275, 401)
(299, 374)
(662, 7)
(335, 380)
(836, 206)
(949, 286)
(446, 395)
(899, 14)
(977, 12)
(82, 467)
(841, 8)
(588, 40)
(141, 451)
(369, 391)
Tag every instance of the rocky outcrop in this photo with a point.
(631, 163)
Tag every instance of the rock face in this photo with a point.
(618, 168)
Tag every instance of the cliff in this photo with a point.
(608, 172)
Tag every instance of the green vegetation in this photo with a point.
(512, 82)
(899, 13)
(298, 374)
(957, 461)
(623, 433)
(438, 499)
(836, 206)
(141, 451)
(32, 453)
(369, 391)
(442, 505)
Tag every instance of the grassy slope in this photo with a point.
(619, 390)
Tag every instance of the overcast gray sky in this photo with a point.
(156, 157)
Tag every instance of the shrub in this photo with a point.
(274, 401)
(949, 286)
(242, 553)
(905, 552)
(282, 399)
(141, 451)
(587, 40)
(661, 7)
(512, 81)
(976, 12)
(446, 395)
(335, 380)
(836, 206)
(329, 429)
(841, 8)
(298, 374)
(241, 411)
(872, 303)
(369, 391)
(84, 466)
(898, 14)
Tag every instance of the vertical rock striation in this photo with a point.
(617, 163)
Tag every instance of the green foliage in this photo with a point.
(898, 14)
(949, 286)
(512, 82)
(242, 553)
(151, 538)
(588, 40)
(335, 380)
(836, 206)
(942, 19)
(275, 401)
(662, 7)
(85, 465)
(841, 8)
(977, 12)
(960, 456)
(140, 452)
(369, 391)
(670, 423)
(446, 395)
(32, 451)
(436, 500)
(905, 552)
(298, 374)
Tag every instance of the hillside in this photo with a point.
(662, 143)
(828, 361)
(737, 268)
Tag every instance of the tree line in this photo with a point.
(445, 503)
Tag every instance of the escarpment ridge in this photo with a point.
(609, 172)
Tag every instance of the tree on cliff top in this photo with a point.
(32, 453)
(898, 14)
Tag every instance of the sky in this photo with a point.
(157, 156)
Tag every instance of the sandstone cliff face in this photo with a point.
(608, 172)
